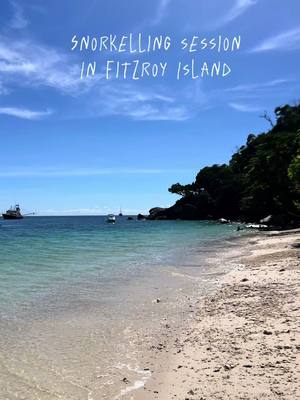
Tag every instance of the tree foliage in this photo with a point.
(262, 177)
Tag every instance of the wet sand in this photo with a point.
(243, 341)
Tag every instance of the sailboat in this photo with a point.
(120, 213)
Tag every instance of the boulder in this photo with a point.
(266, 220)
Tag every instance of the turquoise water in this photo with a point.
(40, 256)
(78, 308)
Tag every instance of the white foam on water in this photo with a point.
(138, 384)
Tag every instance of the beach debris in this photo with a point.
(125, 380)
(266, 332)
(191, 392)
(247, 365)
(228, 367)
(245, 280)
(158, 300)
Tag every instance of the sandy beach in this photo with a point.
(244, 340)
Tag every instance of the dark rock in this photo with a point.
(141, 217)
(296, 245)
(267, 220)
(181, 210)
(265, 332)
(156, 210)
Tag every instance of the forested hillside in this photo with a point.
(261, 179)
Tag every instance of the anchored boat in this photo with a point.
(111, 218)
(13, 213)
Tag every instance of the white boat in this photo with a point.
(111, 218)
(256, 226)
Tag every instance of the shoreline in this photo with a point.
(243, 340)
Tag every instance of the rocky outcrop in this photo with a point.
(141, 217)
(178, 211)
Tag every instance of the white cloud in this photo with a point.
(245, 107)
(74, 211)
(245, 97)
(18, 21)
(258, 87)
(161, 11)
(24, 113)
(288, 40)
(104, 210)
(138, 103)
(239, 7)
(84, 172)
(28, 63)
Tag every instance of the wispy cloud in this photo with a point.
(25, 62)
(24, 113)
(285, 41)
(161, 11)
(239, 7)
(257, 86)
(245, 107)
(138, 103)
(18, 20)
(254, 88)
(84, 172)
(245, 97)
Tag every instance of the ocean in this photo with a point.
(82, 301)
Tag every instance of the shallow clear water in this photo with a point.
(76, 298)
(45, 254)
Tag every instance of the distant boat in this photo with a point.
(13, 213)
(111, 218)
(120, 213)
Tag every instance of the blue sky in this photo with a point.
(84, 147)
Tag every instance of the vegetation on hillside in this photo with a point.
(262, 178)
